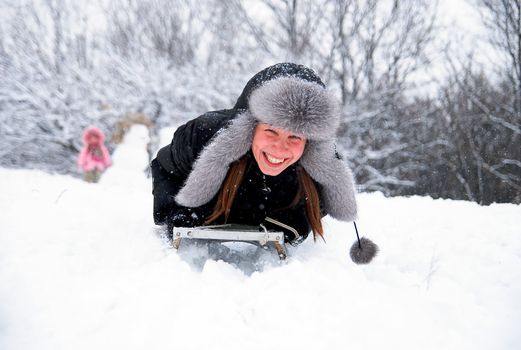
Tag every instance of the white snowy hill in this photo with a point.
(82, 267)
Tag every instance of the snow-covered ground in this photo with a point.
(82, 267)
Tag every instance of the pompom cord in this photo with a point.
(363, 250)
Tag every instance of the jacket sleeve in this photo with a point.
(107, 161)
(169, 171)
(173, 164)
(82, 159)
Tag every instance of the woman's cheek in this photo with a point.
(299, 150)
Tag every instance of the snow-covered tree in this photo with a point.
(377, 47)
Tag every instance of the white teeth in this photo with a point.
(273, 159)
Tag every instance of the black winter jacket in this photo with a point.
(261, 199)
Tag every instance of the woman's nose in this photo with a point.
(282, 144)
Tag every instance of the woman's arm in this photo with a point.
(173, 164)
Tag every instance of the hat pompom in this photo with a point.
(363, 252)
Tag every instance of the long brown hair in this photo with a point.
(307, 191)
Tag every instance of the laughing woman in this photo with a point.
(270, 160)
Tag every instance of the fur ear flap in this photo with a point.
(338, 191)
(210, 168)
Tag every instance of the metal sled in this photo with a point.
(232, 233)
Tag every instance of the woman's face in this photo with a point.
(276, 149)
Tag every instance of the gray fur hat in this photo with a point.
(294, 104)
(290, 97)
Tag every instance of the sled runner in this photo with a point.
(232, 233)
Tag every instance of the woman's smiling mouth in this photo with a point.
(273, 160)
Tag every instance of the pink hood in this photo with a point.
(92, 130)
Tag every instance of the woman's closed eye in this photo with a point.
(272, 133)
(294, 139)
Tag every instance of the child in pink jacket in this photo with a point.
(94, 157)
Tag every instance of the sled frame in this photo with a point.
(232, 233)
